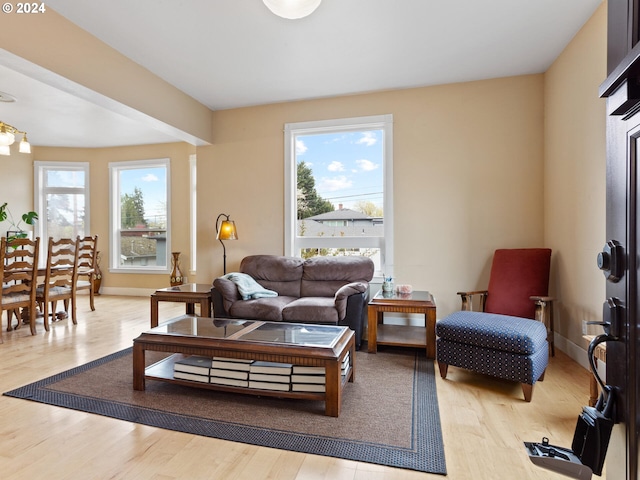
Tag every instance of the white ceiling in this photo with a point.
(235, 53)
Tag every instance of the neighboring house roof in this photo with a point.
(312, 228)
(340, 214)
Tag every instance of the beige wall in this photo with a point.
(99, 159)
(468, 178)
(575, 177)
(16, 185)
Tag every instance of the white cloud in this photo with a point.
(301, 148)
(150, 177)
(336, 166)
(334, 183)
(366, 165)
(368, 138)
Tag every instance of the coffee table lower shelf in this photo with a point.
(163, 371)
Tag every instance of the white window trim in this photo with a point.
(291, 130)
(193, 227)
(39, 196)
(114, 229)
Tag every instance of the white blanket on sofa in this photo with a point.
(248, 287)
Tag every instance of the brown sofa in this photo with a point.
(324, 290)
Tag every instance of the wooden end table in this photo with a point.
(402, 335)
(190, 293)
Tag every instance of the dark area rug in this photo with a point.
(389, 414)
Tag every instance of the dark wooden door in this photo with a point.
(622, 91)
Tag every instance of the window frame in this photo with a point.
(40, 192)
(114, 216)
(292, 242)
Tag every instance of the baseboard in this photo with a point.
(578, 354)
(127, 291)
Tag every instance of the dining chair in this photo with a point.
(60, 277)
(18, 271)
(87, 258)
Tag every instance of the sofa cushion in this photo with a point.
(311, 310)
(280, 274)
(323, 276)
(261, 308)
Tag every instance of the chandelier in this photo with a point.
(8, 136)
(292, 9)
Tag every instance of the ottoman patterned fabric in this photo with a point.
(506, 347)
(499, 332)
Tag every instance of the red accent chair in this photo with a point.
(518, 286)
(512, 334)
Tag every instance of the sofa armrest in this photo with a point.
(224, 294)
(343, 294)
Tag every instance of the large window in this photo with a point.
(338, 197)
(61, 200)
(140, 240)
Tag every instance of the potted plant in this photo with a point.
(16, 232)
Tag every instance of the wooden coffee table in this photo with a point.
(325, 346)
(402, 335)
(190, 293)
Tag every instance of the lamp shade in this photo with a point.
(227, 230)
(6, 138)
(25, 146)
(292, 9)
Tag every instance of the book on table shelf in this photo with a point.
(237, 374)
(308, 387)
(304, 370)
(308, 379)
(283, 387)
(271, 367)
(235, 360)
(232, 382)
(194, 377)
(231, 364)
(269, 377)
(193, 364)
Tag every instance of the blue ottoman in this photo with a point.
(502, 346)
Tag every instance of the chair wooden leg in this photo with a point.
(542, 376)
(45, 315)
(9, 313)
(32, 320)
(528, 391)
(73, 311)
(443, 369)
(91, 295)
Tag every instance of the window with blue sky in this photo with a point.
(338, 175)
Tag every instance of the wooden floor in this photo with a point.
(484, 421)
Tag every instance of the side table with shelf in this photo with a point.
(190, 293)
(380, 333)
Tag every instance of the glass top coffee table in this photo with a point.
(326, 352)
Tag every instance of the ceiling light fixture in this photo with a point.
(8, 136)
(292, 9)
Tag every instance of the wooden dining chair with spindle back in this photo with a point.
(18, 272)
(60, 277)
(87, 258)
